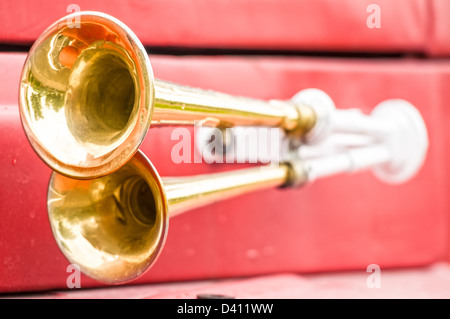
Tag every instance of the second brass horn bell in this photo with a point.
(88, 96)
(115, 226)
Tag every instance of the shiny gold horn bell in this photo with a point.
(88, 97)
(114, 227)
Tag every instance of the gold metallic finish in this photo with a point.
(182, 105)
(186, 193)
(88, 96)
(114, 227)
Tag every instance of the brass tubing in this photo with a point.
(182, 105)
(186, 193)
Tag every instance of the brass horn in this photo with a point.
(88, 96)
(114, 226)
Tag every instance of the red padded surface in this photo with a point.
(282, 24)
(340, 223)
(427, 282)
(439, 34)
